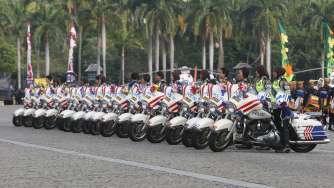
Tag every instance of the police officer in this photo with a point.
(262, 78)
(281, 113)
(159, 80)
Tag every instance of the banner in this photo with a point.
(30, 74)
(328, 42)
(70, 76)
(284, 53)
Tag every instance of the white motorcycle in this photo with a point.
(18, 116)
(156, 132)
(139, 122)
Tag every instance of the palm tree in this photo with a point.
(160, 20)
(48, 21)
(15, 16)
(206, 24)
(265, 15)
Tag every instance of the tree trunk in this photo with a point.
(157, 49)
(38, 72)
(262, 57)
(262, 49)
(98, 59)
(123, 64)
(150, 56)
(164, 58)
(204, 55)
(171, 54)
(47, 57)
(211, 52)
(80, 53)
(221, 50)
(18, 53)
(268, 55)
(104, 46)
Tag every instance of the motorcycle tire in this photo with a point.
(76, 126)
(38, 122)
(67, 125)
(27, 121)
(200, 138)
(95, 128)
(122, 129)
(187, 138)
(156, 134)
(137, 132)
(174, 135)
(302, 148)
(217, 142)
(86, 126)
(17, 121)
(108, 128)
(50, 122)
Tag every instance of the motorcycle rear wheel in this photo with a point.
(60, 123)
(156, 134)
(217, 142)
(137, 133)
(302, 148)
(200, 138)
(76, 126)
(187, 138)
(108, 128)
(38, 122)
(174, 135)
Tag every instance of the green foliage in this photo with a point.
(7, 57)
(130, 22)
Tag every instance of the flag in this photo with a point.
(284, 52)
(328, 42)
(30, 74)
(70, 72)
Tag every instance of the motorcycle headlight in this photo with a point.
(212, 109)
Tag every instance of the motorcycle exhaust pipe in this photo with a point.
(326, 141)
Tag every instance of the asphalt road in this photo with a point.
(51, 158)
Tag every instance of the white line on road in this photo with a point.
(141, 165)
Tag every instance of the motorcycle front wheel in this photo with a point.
(122, 129)
(17, 121)
(302, 148)
(50, 122)
(174, 135)
(60, 123)
(76, 126)
(95, 128)
(67, 125)
(156, 134)
(38, 122)
(187, 138)
(138, 131)
(108, 128)
(86, 126)
(27, 121)
(200, 138)
(218, 142)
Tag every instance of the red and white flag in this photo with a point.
(30, 74)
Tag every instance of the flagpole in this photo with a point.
(29, 66)
(70, 78)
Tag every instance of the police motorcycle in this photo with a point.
(28, 103)
(119, 105)
(64, 119)
(129, 106)
(214, 111)
(188, 109)
(46, 103)
(105, 106)
(246, 112)
(149, 105)
(28, 115)
(169, 106)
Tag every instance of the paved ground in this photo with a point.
(42, 158)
